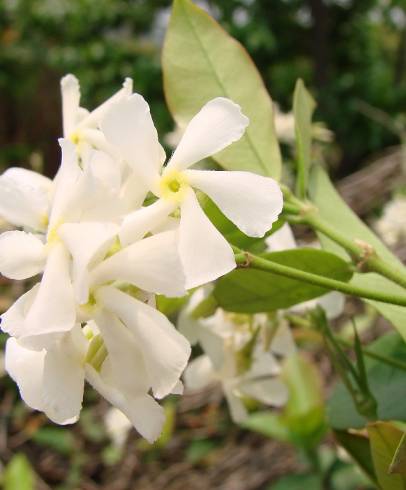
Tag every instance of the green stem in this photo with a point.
(246, 259)
(368, 259)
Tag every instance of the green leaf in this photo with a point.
(268, 424)
(357, 445)
(305, 481)
(253, 291)
(387, 384)
(58, 439)
(384, 439)
(398, 464)
(200, 62)
(334, 210)
(303, 108)
(19, 474)
(170, 306)
(304, 412)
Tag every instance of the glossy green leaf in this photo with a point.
(398, 464)
(19, 474)
(253, 291)
(384, 438)
(357, 446)
(304, 412)
(200, 62)
(334, 210)
(387, 384)
(303, 108)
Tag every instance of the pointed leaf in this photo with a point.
(303, 108)
(200, 62)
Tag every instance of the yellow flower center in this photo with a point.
(75, 137)
(173, 186)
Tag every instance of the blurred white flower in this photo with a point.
(239, 354)
(205, 253)
(117, 426)
(392, 224)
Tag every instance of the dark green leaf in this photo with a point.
(303, 108)
(200, 62)
(357, 445)
(253, 291)
(307, 481)
(387, 384)
(58, 439)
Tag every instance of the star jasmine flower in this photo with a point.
(251, 201)
(236, 355)
(81, 126)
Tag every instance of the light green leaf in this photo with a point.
(253, 291)
(387, 384)
(334, 210)
(385, 438)
(304, 412)
(19, 474)
(357, 445)
(398, 464)
(200, 62)
(268, 424)
(303, 108)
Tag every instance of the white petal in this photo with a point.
(13, 320)
(165, 350)
(26, 368)
(117, 426)
(104, 168)
(125, 355)
(205, 253)
(88, 243)
(152, 264)
(283, 343)
(282, 239)
(219, 123)
(250, 201)
(96, 116)
(70, 103)
(138, 223)
(146, 415)
(24, 198)
(53, 309)
(22, 255)
(129, 126)
(199, 374)
(269, 391)
(178, 389)
(63, 367)
(333, 304)
(237, 408)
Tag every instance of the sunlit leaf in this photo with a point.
(303, 108)
(398, 464)
(334, 210)
(385, 438)
(19, 474)
(200, 62)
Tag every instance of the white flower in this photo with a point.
(81, 126)
(391, 226)
(237, 355)
(117, 426)
(251, 201)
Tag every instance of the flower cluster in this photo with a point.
(114, 228)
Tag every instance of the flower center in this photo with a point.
(173, 185)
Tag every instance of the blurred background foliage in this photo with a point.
(349, 53)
